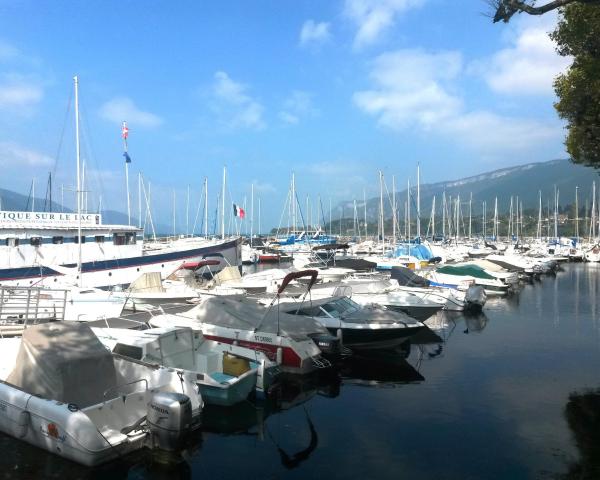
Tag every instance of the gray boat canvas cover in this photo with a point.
(243, 314)
(64, 361)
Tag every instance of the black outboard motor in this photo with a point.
(475, 298)
(330, 346)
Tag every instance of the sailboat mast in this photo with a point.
(78, 193)
(251, 212)
(408, 210)
(418, 201)
(394, 209)
(470, 208)
(206, 207)
(124, 134)
(576, 213)
(365, 202)
(381, 232)
(539, 227)
(223, 204)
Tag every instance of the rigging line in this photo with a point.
(87, 137)
(62, 133)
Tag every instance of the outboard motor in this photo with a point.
(169, 417)
(475, 298)
(330, 346)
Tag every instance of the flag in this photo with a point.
(127, 157)
(238, 211)
(125, 131)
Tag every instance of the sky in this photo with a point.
(334, 91)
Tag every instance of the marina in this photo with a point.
(503, 393)
(351, 239)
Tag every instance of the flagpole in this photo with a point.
(124, 134)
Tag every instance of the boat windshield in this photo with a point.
(340, 307)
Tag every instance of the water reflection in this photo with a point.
(583, 416)
(385, 368)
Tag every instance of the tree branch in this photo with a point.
(505, 9)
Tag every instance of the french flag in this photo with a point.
(238, 211)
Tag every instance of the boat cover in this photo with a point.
(465, 270)
(64, 361)
(407, 278)
(241, 313)
(147, 282)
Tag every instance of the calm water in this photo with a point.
(509, 394)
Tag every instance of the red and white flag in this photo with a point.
(238, 211)
(125, 131)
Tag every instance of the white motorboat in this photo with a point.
(225, 374)
(297, 345)
(360, 327)
(61, 390)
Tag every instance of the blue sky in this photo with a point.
(334, 91)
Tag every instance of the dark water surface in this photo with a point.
(510, 394)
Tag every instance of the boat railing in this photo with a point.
(21, 307)
(117, 387)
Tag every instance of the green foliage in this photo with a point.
(578, 90)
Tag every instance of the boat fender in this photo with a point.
(22, 425)
(339, 335)
(279, 357)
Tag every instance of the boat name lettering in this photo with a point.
(260, 338)
(159, 409)
(46, 218)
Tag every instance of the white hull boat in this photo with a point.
(225, 374)
(62, 391)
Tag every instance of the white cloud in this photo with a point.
(233, 105)
(263, 187)
(289, 118)
(374, 17)
(298, 104)
(13, 154)
(314, 33)
(416, 89)
(529, 65)
(121, 109)
(410, 88)
(19, 95)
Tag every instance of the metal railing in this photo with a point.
(24, 306)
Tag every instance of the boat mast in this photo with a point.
(223, 205)
(394, 209)
(381, 231)
(139, 199)
(444, 214)
(365, 202)
(539, 232)
(470, 207)
(251, 212)
(408, 212)
(78, 193)
(206, 207)
(433, 219)
(187, 212)
(576, 213)
(555, 212)
(174, 228)
(124, 134)
(418, 201)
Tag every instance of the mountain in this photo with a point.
(524, 181)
